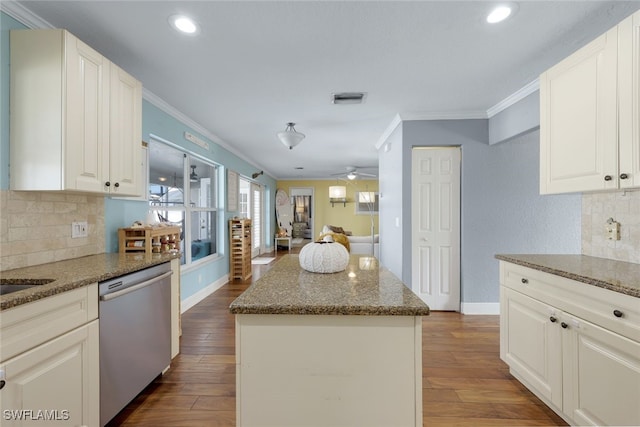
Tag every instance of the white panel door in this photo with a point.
(435, 226)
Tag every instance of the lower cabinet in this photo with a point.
(55, 383)
(588, 374)
(49, 361)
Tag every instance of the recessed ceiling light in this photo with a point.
(499, 14)
(184, 24)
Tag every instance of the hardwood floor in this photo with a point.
(464, 381)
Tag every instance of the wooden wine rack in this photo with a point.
(149, 239)
(239, 249)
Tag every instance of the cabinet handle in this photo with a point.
(117, 184)
(553, 319)
(608, 177)
(2, 383)
(107, 184)
(618, 313)
(624, 176)
(525, 281)
(564, 325)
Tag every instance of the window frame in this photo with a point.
(187, 208)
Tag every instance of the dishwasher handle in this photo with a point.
(134, 288)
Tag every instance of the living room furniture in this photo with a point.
(285, 238)
(239, 249)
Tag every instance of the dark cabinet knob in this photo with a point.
(107, 184)
(553, 319)
(117, 184)
(624, 176)
(525, 281)
(608, 177)
(2, 383)
(564, 325)
(618, 313)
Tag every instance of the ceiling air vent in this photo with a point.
(348, 98)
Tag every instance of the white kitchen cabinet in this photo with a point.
(629, 94)
(49, 361)
(75, 117)
(601, 375)
(550, 338)
(531, 343)
(589, 116)
(56, 383)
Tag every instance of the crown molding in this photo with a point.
(187, 121)
(514, 98)
(23, 15)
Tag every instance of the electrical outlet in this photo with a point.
(79, 229)
(612, 229)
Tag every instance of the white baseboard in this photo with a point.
(189, 302)
(480, 307)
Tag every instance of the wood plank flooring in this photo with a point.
(464, 381)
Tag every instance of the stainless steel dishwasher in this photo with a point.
(135, 335)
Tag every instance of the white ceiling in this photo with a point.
(258, 64)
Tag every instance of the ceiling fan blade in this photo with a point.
(368, 174)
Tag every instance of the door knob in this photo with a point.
(618, 313)
(624, 176)
(608, 177)
(553, 319)
(564, 325)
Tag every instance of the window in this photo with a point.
(182, 191)
(366, 203)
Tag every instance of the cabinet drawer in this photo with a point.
(597, 305)
(29, 325)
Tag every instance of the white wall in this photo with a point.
(390, 185)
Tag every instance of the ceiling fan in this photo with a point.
(352, 173)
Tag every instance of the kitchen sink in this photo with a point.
(8, 286)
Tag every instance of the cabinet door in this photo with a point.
(56, 383)
(629, 93)
(530, 343)
(578, 120)
(601, 376)
(86, 118)
(125, 134)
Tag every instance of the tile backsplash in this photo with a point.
(623, 207)
(35, 227)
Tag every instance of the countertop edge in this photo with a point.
(59, 286)
(615, 287)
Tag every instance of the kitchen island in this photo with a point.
(329, 349)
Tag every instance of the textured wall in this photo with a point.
(35, 227)
(623, 207)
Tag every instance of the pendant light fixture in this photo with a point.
(194, 176)
(290, 137)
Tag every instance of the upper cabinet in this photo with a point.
(589, 115)
(76, 118)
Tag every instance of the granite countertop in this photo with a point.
(364, 288)
(75, 273)
(617, 276)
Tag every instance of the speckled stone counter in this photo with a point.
(75, 273)
(617, 276)
(364, 288)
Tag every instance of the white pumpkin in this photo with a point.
(324, 257)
